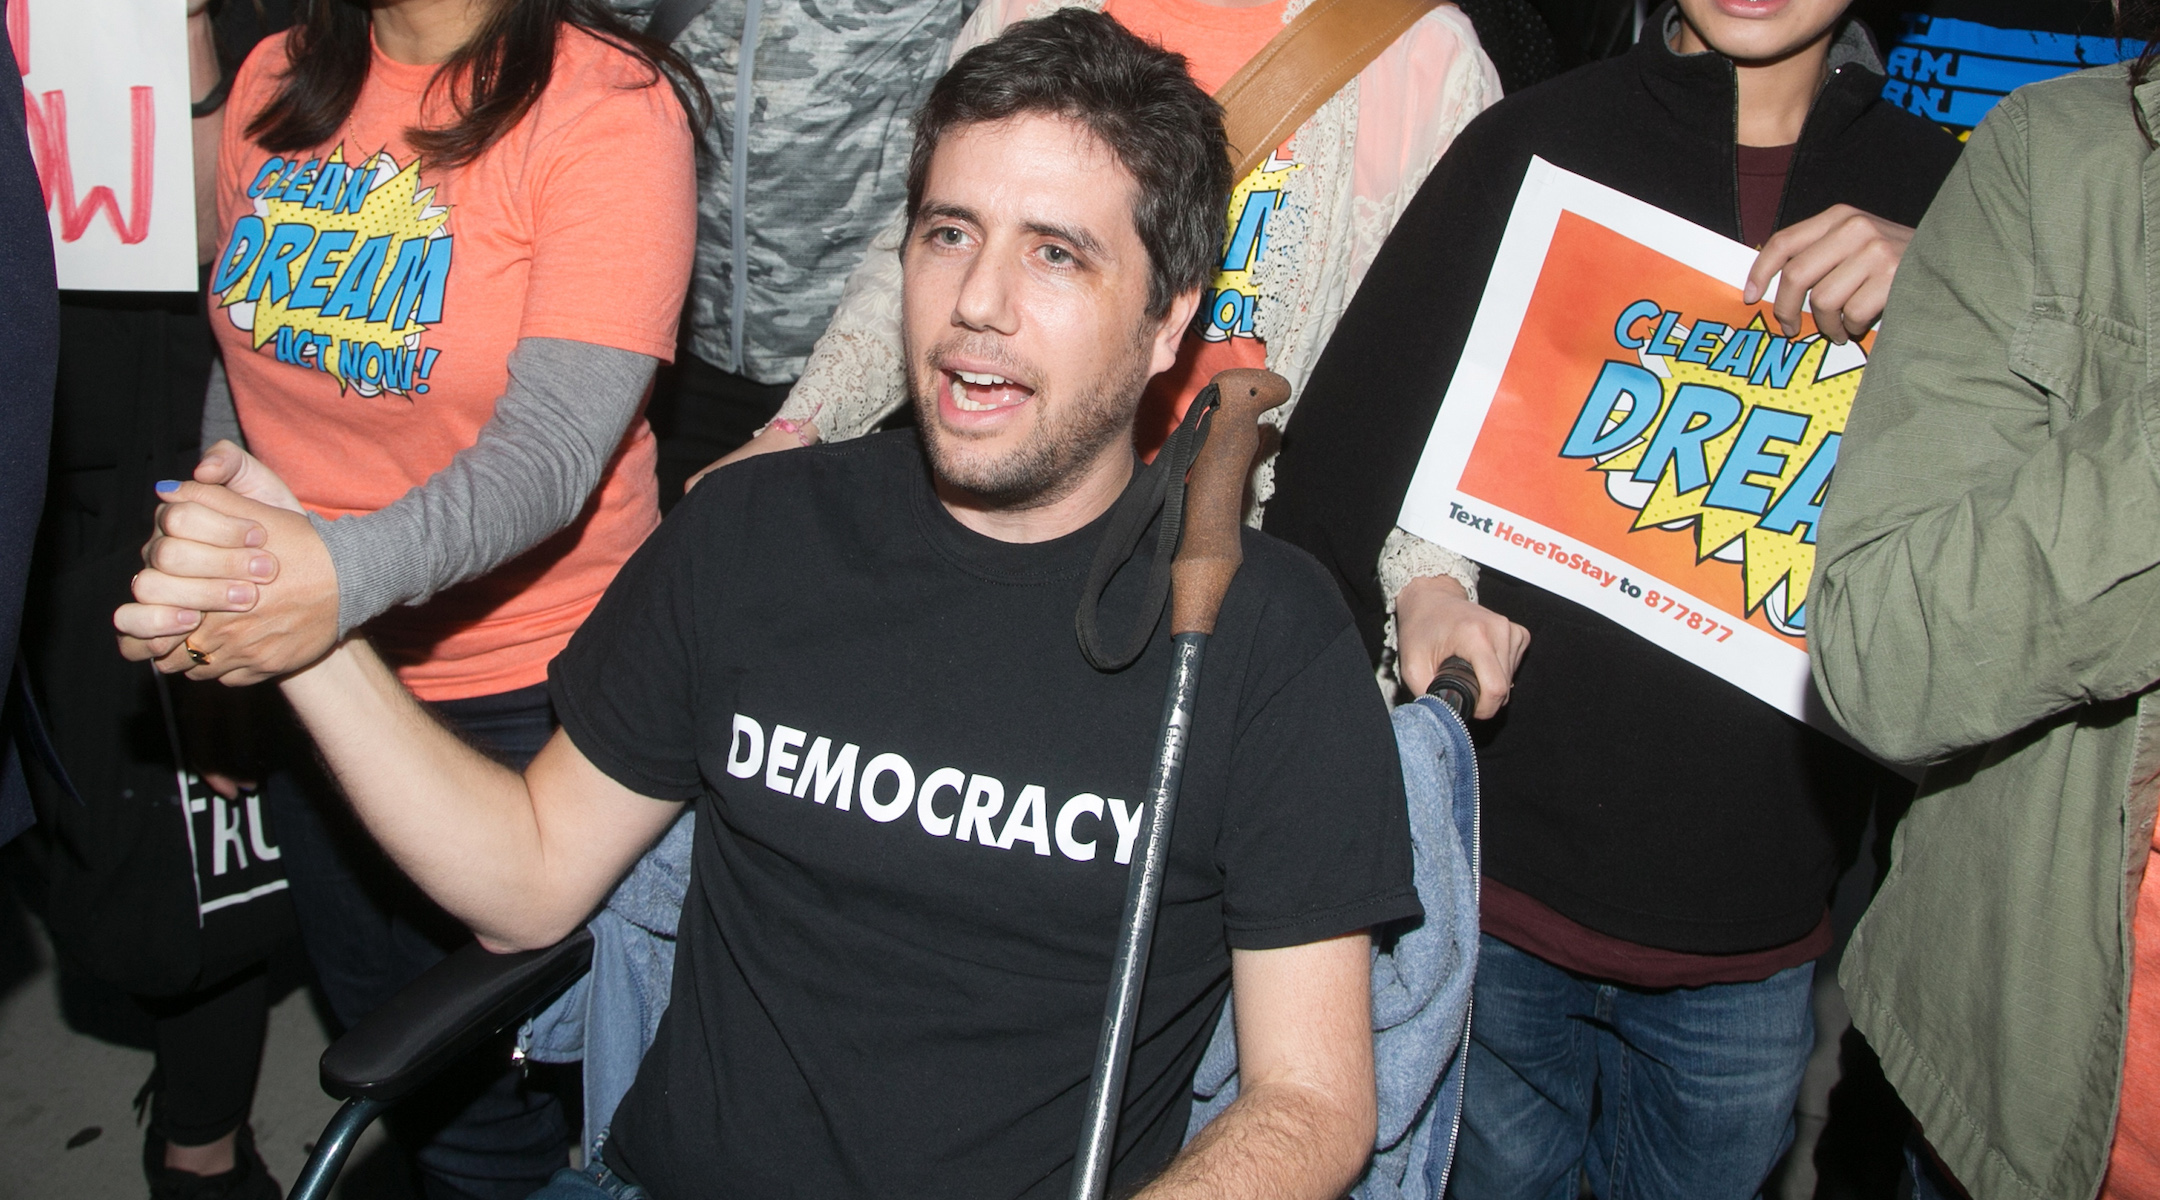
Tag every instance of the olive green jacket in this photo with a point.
(1987, 601)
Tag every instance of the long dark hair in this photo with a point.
(2139, 20)
(493, 80)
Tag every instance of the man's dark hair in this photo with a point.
(1138, 99)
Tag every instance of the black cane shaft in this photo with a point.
(1136, 932)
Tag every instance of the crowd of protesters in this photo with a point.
(889, 307)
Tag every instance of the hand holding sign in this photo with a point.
(1839, 263)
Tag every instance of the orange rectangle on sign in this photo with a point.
(1623, 431)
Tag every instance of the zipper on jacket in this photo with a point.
(738, 181)
(1477, 869)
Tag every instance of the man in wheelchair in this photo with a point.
(918, 798)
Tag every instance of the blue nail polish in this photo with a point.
(167, 487)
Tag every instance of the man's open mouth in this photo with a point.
(981, 392)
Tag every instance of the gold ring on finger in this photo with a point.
(201, 659)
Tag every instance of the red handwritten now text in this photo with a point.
(48, 122)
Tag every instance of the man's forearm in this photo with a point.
(1279, 1141)
(463, 827)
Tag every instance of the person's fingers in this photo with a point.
(200, 523)
(1866, 306)
(257, 482)
(1866, 283)
(1784, 244)
(150, 650)
(136, 649)
(219, 463)
(1801, 275)
(201, 595)
(1419, 663)
(228, 786)
(176, 661)
(1835, 297)
(180, 556)
(225, 500)
(1495, 678)
(149, 621)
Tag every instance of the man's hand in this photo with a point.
(1302, 1125)
(236, 573)
(768, 440)
(1435, 619)
(1841, 260)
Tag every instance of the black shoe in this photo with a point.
(249, 1179)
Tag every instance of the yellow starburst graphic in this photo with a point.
(341, 268)
(1231, 300)
(1740, 449)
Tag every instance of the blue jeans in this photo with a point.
(1924, 1178)
(480, 1131)
(1678, 1094)
(595, 1182)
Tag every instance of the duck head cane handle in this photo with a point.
(1210, 553)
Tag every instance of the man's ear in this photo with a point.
(1171, 331)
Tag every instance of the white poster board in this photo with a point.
(105, 90)
(1624, 432)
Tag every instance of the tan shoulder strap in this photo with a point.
(1309, 61)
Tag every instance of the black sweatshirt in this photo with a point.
(1624, 787)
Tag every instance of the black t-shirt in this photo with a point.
(916, 806)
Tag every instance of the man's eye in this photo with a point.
(1057, 256)
(947, 235)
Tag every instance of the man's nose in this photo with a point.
(987, 294)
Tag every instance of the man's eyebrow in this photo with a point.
(1080, 239)
(950, 212)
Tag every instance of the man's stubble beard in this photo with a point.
(1048, 464)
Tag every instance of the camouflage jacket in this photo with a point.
(804, 159)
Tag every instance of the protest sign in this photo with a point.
(105, 88)
(1624, 432)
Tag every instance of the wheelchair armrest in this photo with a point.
(452, 1007)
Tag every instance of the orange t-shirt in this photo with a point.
(1216, 42)
(2134, 1161)
(367, 304)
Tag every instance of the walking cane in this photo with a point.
(1207, 559)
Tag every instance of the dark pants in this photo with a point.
(481, 1130)
(700, 412)
(1678, 1094)
(209, 1051)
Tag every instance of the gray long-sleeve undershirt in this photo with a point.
(529, 474)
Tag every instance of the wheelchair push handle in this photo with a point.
(1456, 686)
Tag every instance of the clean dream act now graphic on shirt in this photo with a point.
(1230, 303)
(340, 268)
(886, 787)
